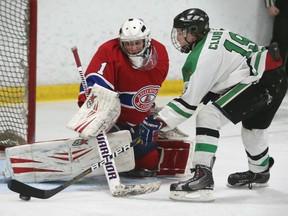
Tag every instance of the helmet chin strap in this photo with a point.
(187, 48)
(190, 45)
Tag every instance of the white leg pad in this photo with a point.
(63, 159)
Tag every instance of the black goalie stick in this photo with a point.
(27, 191)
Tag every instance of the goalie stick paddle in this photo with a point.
(111, 173)
(27, 191)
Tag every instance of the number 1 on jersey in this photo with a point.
(101, 70)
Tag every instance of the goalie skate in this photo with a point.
(199, 188)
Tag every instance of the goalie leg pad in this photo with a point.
(149, 161)
(175, 160)
(63, 159)
(175, 157)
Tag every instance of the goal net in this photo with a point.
(18, 24)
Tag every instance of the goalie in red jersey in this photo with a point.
(134, 66)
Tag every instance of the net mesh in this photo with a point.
(14, 43)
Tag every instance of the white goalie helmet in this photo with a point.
(134, 30)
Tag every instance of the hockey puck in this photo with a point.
(24, 197)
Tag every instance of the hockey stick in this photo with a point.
(26, 191)
(112, 176)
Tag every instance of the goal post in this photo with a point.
(32, 72)
(18, 52)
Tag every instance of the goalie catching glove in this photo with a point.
(99, 112)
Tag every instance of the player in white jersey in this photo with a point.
(249, 86)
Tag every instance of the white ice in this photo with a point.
(91, 196)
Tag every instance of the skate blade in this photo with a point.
(254, 186)
(196, 196)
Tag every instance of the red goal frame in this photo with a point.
(32, 61)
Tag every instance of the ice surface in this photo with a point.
(91, 197)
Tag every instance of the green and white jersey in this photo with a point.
(218, 62)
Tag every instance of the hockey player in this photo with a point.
(134, 66)
(250, 85)
(278, 9)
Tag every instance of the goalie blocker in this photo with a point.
(63, 159)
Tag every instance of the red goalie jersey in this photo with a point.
(111, 68)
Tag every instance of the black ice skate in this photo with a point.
(250, 179)
(199, 188)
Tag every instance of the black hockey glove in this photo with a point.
(148, 130)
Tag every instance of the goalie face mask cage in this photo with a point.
(18, 24)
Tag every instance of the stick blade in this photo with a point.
(138, 189)
(27, 190)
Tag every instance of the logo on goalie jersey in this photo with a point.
(144, 98)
